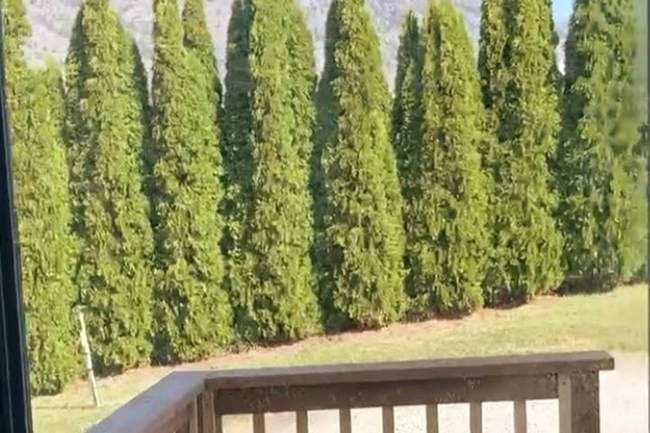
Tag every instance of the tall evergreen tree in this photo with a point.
(237, 151)
(408, 108)
(198, 41)
(407, 118)
(447, 231)
(269, 140)
(193, 315)
(519, 80)
(364, 232)
(600, 174)
(106, 125)
(41, 177)
(630, 144)
(325, 121)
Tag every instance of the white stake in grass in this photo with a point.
(89, 361)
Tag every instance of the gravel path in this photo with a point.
(624, 409)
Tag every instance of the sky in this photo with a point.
(562, 10)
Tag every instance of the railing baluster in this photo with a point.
(206, 406)
(476, 417)
(345, 421)
(432, 418)
(259, 425)
(194, 417)
(565, 402)
(302, 422)
(520, 417)
(388, 416)
(218, 424)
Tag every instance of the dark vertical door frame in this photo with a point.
(15, 409)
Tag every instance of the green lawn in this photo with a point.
(615, 322)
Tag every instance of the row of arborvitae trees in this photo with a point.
(189, 217)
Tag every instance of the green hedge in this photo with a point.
(193, 316)
(447, 214)
(270, 125)
(35, 100)
(363, 225)
(106, 127)
(520, 83)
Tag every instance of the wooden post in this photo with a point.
(579, 402)
(89, 361)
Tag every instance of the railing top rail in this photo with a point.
(453, 368)
(157, 407)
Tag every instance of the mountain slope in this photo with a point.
(53, 19)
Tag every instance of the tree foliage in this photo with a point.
(447, 236)
(600, 174)
(193, 315)
(629, 140)
(408, 108)
(238, 123)
(272, 278)
(364, 232)
(198, 41)
(519, 80)
(106, 126)
(40, 171)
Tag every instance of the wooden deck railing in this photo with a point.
(195, 402)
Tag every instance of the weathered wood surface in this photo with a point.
(521, 422)
(579, 402)
(476, 417)
(388, 419)
(193, 412)
(302, 422)
(163, 408)
(345, 420)
(454, 368)
(364, 395)
(259, 423)
(206, 409)
(432, 418)
(195, 401)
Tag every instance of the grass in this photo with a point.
(615, 321)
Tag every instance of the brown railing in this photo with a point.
(195, 402)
